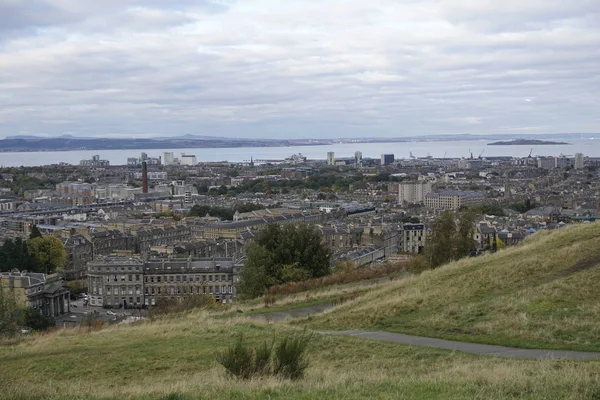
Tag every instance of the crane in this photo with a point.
(480, 154)
(445, 155)
(471, 153)
(530, 151)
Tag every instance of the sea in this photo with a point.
(438, 149)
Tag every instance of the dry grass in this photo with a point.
(174, 359)
(540, 294)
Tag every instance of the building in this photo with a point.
(94, 162)
(387, 159)
(546, 162)
(79, 252)
(413, 238)
(7, 205)
(43, 293)
(358, 158)
(578, 160)
(452, 199)
(330, 158)
(187, 159)
(152, 175)
(413, 192)
(168, 158)
(132, 282)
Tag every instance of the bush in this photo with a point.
(38, 322)
(290, 356)
(289, 361)
(238, 360)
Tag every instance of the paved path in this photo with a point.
(279, 316)
(472, 348)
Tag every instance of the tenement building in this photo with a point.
(117, 281)
(452, 199)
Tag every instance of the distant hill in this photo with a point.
(526, 142)
(540, 294)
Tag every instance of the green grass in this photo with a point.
(541, 294)
(175, 359)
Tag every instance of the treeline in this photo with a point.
(222, 212)
(44, 254)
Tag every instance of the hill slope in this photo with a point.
(541, 294)
(173, 359)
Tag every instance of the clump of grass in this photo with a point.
(290, 356)
(288, 361)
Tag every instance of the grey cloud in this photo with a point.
(301, 68)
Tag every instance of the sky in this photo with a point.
(298, 68)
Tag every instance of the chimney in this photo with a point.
(144, 177)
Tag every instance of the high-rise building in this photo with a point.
(330, 158)
(578, 160)
(168, 158)
(546, 162)
(413, 192)
(187, 159)
(387, 159)
(358, 158)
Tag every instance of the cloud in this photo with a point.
(299, 68)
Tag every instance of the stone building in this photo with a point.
(413, 237)
(42, 293)
(79, 252)
(132, 282)
(452, 199)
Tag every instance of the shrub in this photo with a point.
(289, 361)
(262, 359)
(290, 356)
(237, 359)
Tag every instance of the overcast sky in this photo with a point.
(298, 68)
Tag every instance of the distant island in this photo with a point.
(525, 142)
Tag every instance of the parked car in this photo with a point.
(108, 312)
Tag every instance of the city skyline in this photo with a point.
(299, 69)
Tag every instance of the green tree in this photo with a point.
(35, 232)
(464, 237)
(440, 247)
(49, 253)
(12, 314)
(283, 254)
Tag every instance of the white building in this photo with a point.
(413, 192)
(188, 159)
(578, 160)
(168, 158)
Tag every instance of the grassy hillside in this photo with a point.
(543, 293)
(174, 359)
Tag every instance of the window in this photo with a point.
(130, 277)
(210, 278)
(203, 278)
(178, 278)
(122, 278)
(158, 279)
(137, 278)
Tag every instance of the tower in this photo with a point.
(330, 158)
